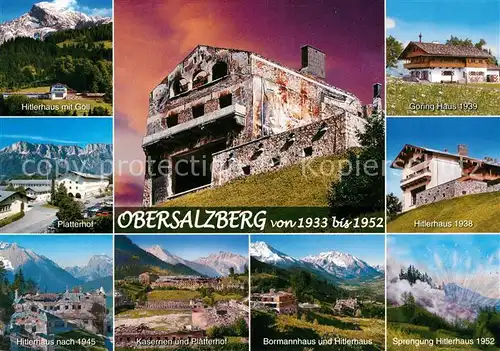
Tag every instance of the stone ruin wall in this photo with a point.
(286, 100)
(453, 189)
(277, 152)
(277, 100)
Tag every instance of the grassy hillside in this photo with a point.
(315, 326)
(481, 209)
(401, 94)
(286, 187)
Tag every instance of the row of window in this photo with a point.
(197, 111)
(5, 208)
(180, 85)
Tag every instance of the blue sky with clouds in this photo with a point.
(437, 20)
(65, 250)
(450, 254)
(11, 9)
(192, 247)
(59, 131)
(369, 248)
(481, 134)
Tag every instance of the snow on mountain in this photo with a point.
(380, 268)
(268, 254)
(164, 255)
(221, 262)
(47, 274)
(342, 265)
(99, 266)
(45, 18)
(213, 265)
(330, 263)
(93, 158)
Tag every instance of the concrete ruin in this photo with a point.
(222, 114)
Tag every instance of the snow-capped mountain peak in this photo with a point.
(331, 264)
(216, 264)
(164, 255)
(98, 266)
(338, 258)
(268, 254)
(45, 18)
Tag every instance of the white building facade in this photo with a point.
(82, 185)
(424, 169)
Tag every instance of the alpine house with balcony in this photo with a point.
(446, 63)
(430, 176)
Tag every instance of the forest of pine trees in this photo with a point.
(81, 61)
(412, 275)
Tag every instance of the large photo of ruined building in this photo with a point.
(224, 114)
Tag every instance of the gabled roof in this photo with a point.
(30, 181)
(434, 49)
(403, 155)
(4, 195)
(85, 175)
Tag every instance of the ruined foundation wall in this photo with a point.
(276, 152)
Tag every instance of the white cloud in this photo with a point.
(39, 138)
(390, 23)
(73, 5)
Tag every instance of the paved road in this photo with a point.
(35, 220)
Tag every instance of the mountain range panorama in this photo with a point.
(331, 265)
(94, 158)
(214, 265)
(47, 274)
(45, 18)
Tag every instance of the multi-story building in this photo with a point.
(436, 63)
(280, 301)
(42, 316)
(431, 175)
(225, 113)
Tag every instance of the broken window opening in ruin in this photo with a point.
(172, 120)
(246, 170)
(276, 161)
(258, 151)
(198, 110)
(194, 169)
(321, 132)
(219, 70)
(308, 151)
(179, 86)
(225, 100)
(200, 78)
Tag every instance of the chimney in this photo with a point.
(420, 38)
(313, 61)
(463, 150)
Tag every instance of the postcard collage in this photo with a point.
(240, 175)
